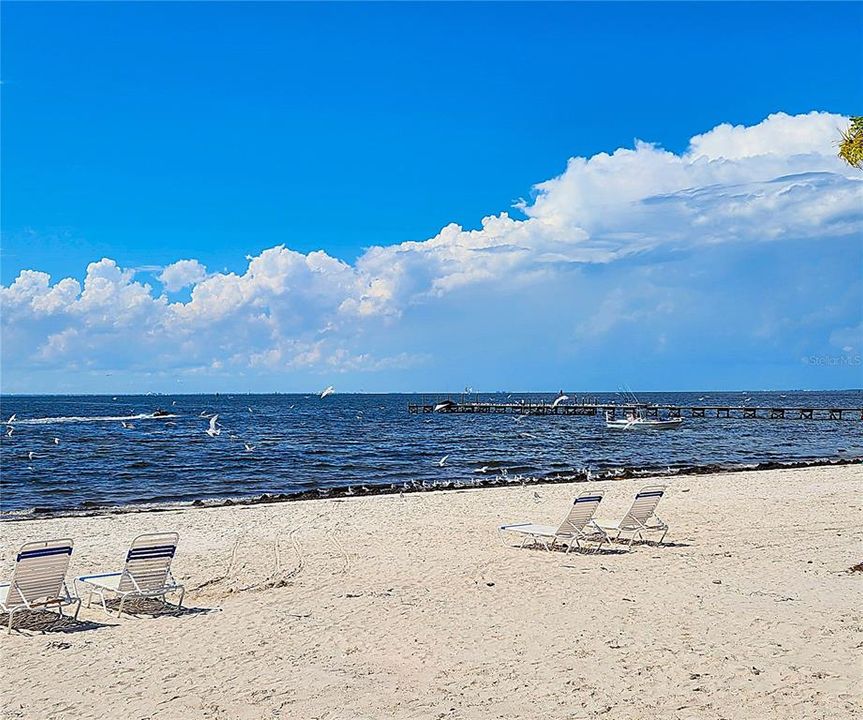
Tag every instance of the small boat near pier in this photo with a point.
(640, 421)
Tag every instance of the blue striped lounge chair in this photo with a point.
(39, 579)
(576, 527)
(641, 517)
(147, 573)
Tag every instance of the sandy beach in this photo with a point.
(412, 607)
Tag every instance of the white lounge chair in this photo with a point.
(577, 526)
(147, 573)
(641, 516)
(39, 579)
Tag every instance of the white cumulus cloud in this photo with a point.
(182, 274)
(777, 181)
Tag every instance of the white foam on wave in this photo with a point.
(93, 418)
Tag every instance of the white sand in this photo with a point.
(412, 607)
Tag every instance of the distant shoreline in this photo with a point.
(496, 481)
(433, 393)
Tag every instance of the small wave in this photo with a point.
(93, 418)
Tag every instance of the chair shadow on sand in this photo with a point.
(46, 621)
(145, 607)
(584, 550)
(614, 548)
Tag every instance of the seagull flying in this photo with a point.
(519, 418)
(56, 441)
(31, 455)
(328, 391)
(442, 461)
(248, 447)
(12, 418)
(559, 400)
(212, 431)
(126, 425)
(484, 469)
(9, 432)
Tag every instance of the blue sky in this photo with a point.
(155, 132)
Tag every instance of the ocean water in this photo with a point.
(69, 453)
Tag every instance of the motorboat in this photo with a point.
(640, 421)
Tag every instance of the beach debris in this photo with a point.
(855, 568)
(717, 582)
(329, 390)
(213, 430)
(442, 461)
(755, 671)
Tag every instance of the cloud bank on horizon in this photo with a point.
(748, 239)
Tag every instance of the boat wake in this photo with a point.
(93, 418)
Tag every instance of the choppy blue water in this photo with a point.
(300, 442)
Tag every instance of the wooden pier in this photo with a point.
(743, 412)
